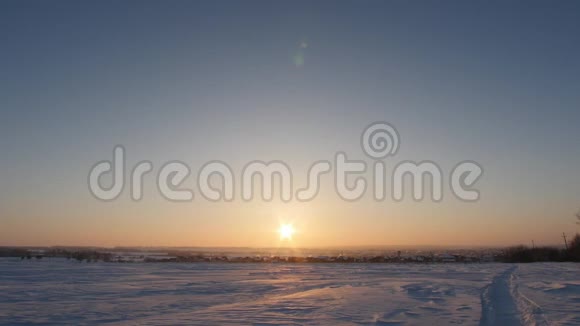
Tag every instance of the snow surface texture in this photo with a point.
(55, 291)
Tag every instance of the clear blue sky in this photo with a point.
(493, 81)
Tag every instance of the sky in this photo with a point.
(494, 82)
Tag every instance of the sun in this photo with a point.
(286, 231)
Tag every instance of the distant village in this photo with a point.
(129, 255)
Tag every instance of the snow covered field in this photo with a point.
(55, 291)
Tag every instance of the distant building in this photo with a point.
(447, 258)
(487, 258)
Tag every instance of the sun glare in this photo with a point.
(286, 231)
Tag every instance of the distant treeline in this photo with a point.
(14, 252)
(523, 254)
(80, 255)
(517, 254)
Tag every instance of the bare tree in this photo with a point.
(578, 217)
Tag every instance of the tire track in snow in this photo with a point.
(531, 313)
(498, 304)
